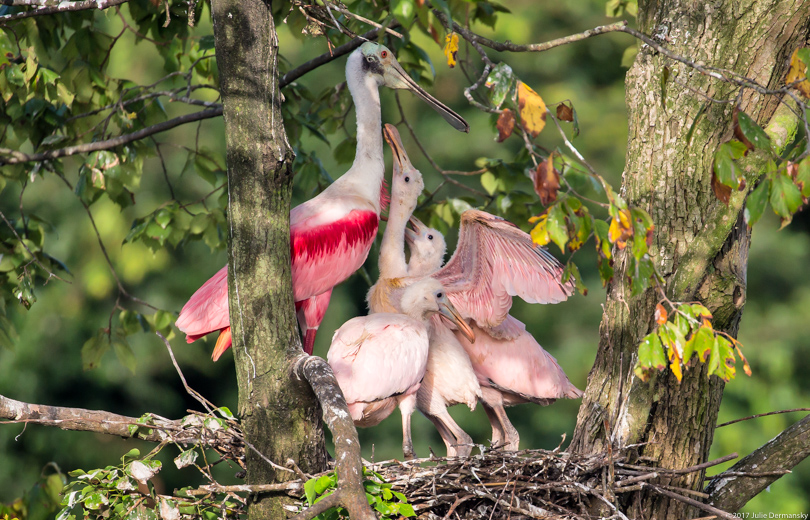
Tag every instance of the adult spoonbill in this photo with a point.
(511, 366)
(330, 234)
(449, 378)
(379, 360)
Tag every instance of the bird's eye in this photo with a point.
(407, 179)
(439, 295)
(384, 54)
(430, 237)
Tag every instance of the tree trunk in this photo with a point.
(280, 414)
(700, 245)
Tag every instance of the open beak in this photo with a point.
(410, 236)
(451, 314)
(395, 77)
(401, 161)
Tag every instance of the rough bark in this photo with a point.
(280, 415)
(701, 245)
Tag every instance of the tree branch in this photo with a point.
(44, 7)
(730, 490)
(350, 492)
(80, 419)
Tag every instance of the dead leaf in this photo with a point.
(796, 72)
(451, 49)
(506, 123)
(721, 191)
(738, 133)
(532, 109)
(565, 113)
(547, 181)
(660, 314)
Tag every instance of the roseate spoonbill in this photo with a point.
(449, 378)
(512, 368)
(379, 360)
(330, 235)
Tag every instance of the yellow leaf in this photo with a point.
(532, 109)
(675, 366)
(451, 48)
(797, 71)
(540, 232)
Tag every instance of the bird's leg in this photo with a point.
(407, 405)
(463, 442)
(511, 435)
(498, 435)
(447, 436)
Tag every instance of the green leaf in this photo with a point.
(162, 319)
(640, 273)
(785, 196)
(724, 167)
(133, 453)
(557, 230)
(404, 11)
(489, 182)
(65, 96)
(756, 201)
(802, 179)
(571, 270)
(225, 412)
(344, 152)
(187, 458)
(125, 354)
(721, 359)
(93, 350)
(700, 342)
(753, 132)
(500, 82)
(650, 356)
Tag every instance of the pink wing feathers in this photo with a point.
(378, 356)
(493, 261)
(520, 367)
(207, 309)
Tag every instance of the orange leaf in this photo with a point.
(660, 314)
(532, 109)
(451, 48)
(547, 181)
(506, 123)
(796, 72)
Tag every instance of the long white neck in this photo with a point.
(365, 177)
(392, 248)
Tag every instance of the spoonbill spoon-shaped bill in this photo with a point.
(330, 234)
(379, 360)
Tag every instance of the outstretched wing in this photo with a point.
(207, 310)
(495, 260)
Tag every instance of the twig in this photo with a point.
(690, 469)
(763, 415)
(363, 19)
(208, 405)
(692, 502)
(245, 488)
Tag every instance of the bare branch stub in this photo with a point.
(731, 489)
(349, 467)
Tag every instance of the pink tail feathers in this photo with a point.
(310, 315)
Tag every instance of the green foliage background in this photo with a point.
(45, 366)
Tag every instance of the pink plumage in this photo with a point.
(378, 361)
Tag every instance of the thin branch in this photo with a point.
(763, 415)
(208, 405)
(731, 491)
(372, 23)
(692, 502)
(45, 7)
(245, 488)
(327, 57)
(116, 141)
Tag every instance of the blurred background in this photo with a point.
(46, 367)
